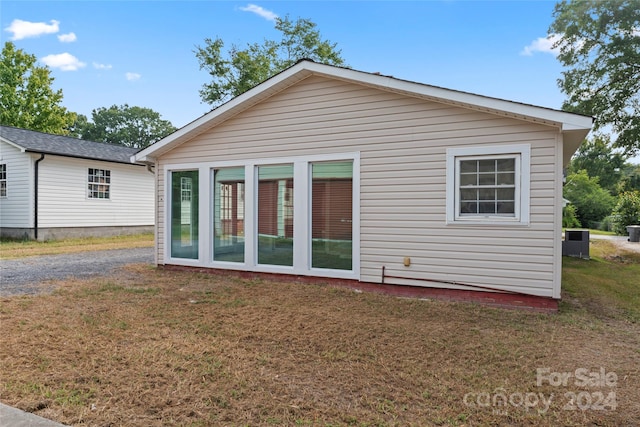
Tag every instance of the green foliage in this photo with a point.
(129, 126)
(26, 98)
(607, 224)
(592, 202)
(598, 158)
(600, 47)
(630, 178)
(626, 212)
(569, 217)
(238, 70)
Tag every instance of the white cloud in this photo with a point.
(99, 66)
(132, 76)
(258, 10)
(64, 61)
(542, 44)
(25, 29)
(67, 38)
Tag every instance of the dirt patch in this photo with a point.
(152, 347)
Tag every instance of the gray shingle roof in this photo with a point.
(38, 142)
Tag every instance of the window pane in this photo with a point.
(487, 179)
(506, 208)
(506, 165)
(468, 207)
(275, 215)
(332, 215)
(487, 194)
(468, 194)
(487, 208)
(486, 165)
(506, 194)
(468, 179)
(184, 214)
(468, 166)
(507, 178)
(228, 215)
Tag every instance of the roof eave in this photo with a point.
(567, 122)
(13, 144)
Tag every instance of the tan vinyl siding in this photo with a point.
(16, 210)
(402, 142)
(63, 200)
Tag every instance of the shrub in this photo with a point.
(626, 212)
(569, 219)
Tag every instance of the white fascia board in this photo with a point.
(250, 97)
(13, 144)
(568, 121)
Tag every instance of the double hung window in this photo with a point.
(99, 183)
(488, 184)
(3, 180)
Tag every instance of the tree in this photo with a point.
(598, 158)
(135, 127)
(630, 178)
(592, 202)
(26, 98)
(599, 43)
(238, 70)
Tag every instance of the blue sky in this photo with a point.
(141, 52)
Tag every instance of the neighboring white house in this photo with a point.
(54, 186)
(330, 172)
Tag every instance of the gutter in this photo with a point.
(35, 195)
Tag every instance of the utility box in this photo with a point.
(634, 233)
(576, 243)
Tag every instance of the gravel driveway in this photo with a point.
(25, 275)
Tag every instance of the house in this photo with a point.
(54, 186)
(333, 173)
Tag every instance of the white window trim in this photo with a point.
(523, 184)
(301, 218)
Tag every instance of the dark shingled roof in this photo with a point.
(38, 142)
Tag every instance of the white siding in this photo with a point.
(63, 200)
(16, 210)
(402, 142)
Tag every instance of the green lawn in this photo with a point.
(608, 283)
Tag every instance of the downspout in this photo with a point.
(35, 198)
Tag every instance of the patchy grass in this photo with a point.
(24, 248)
(155, 347)
(608, 283)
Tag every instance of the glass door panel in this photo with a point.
(332, 215)
(184, 214)
(228, 214)
(275, 215)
